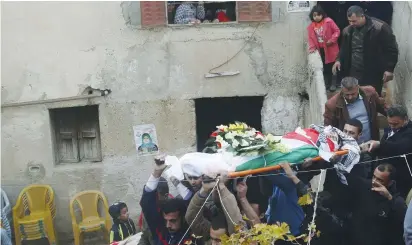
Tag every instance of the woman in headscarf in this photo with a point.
(147, 144)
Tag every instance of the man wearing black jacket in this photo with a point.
(397, 140)
(378, 211)
(368, 52)
(166, 221)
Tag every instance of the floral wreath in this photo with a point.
(242, 140)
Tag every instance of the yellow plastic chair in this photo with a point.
(34, 213)
(88, 203)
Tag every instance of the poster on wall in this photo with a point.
(298, 6)
(146, 139)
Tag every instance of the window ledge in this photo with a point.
(78, 165)
(203, 24)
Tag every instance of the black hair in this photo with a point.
(162, 186)
(356, 123)
(219, 222)
(386, 167)
(397, 111)
(317, 9)
(115, 209)
(174, 205)
(355, 9)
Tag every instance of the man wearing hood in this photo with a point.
(378, 211)
(396, 141)
(123, 227)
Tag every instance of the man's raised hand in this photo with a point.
(160, 166)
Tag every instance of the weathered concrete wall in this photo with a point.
(316, 90)
(401, 87)
(56, 49)
(317, 98)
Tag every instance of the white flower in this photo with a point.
(219, 139)
(250, 133)
(244, 143)
(235, 143)
(270, 138)
(229, 136)
(259, 136)
(224, 145)
(222, 128)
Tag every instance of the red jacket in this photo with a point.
(331, 33)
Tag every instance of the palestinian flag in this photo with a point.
(301, 145)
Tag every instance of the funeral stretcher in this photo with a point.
(316, 142)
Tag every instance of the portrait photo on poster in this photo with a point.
(298, 6)
(146, 139)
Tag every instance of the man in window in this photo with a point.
(188, 13)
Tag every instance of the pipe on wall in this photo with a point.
(36, 102)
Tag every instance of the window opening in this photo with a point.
(196, 12)
(211, 112)
(76, 134)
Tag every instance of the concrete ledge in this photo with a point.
(316, 90)
(317, 99)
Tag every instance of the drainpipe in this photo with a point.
(35, 102)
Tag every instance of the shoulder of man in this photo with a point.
(378, 24)
(331, 103)
(347, 30)
(369, 91)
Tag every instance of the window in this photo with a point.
(211, 112)
(76, 134)
(180, 12)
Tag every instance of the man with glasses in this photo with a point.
(358, 102)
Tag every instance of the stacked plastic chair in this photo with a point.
(88, 204)
(34, 213)
(5, 206)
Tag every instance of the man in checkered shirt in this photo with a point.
(189, 13)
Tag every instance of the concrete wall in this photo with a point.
(401, 87)
(317, 98)
(316, 90)
(56, 49)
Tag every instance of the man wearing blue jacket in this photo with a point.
(283, 204)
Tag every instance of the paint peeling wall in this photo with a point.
(56, 49)
(401, 87)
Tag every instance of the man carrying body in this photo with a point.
(356, 102)
(211, 228)
(354, 128)
(397, 140)
(166, 221)
(368, 51)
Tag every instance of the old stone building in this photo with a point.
(77, 76)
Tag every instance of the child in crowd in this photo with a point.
(123, 227)
(323, 36)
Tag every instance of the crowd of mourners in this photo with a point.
(370, 208)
